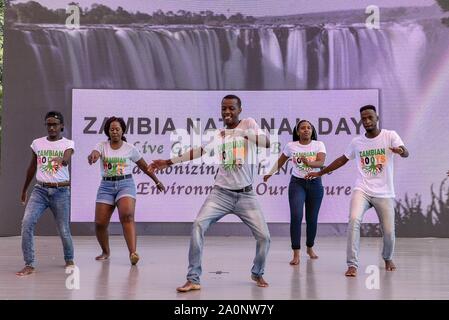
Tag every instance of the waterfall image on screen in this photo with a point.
(406, 61)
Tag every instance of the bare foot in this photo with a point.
(311, 253)
(389, 265)
(134, 258)
(69, 264)
(260, 282)
(351, 272)
(103, 256)
(295, 260)
(25, 271)
(189, 286)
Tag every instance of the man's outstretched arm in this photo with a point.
(337, 163)
(187, 156)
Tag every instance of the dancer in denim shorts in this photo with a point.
(307, 155)
(117, 188)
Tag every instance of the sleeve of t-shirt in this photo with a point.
(395, 140)
(70, 145)
(321, 147)
(350, 151)
(287, 151)
(252, 125)
(33, 146)
(135, 154)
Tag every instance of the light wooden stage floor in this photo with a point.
(423, 270)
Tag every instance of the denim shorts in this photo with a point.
(110, 192)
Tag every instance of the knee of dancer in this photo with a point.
(267, 239)
(389, 233)
(127, 218)
(101, 224)
(295, 218)
(28, 224)
(355, 220)
(199, 226)
(264, 237)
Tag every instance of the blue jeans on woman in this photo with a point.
(309, 193)
(41, 198)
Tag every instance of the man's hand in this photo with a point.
(24, 197)
(57, 162)
(397, 150)
(160, 186)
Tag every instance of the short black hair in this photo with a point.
(231, 96)
(107, 126)
(368, 107)
(56, 115)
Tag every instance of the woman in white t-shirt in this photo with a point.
(117, 188)
(307, 155)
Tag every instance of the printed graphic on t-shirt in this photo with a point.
(373, 161)
(232, 154)
(114, 166)
(296, 158)
(45, 160)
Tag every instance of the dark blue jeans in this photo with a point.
(309, 193)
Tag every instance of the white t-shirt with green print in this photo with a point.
(295, 151)
(45, 150)
(235, 155)
(375, 163)
(117, 162)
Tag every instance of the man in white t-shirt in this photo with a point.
(50, 158)
(374, 185)
(232, 193)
